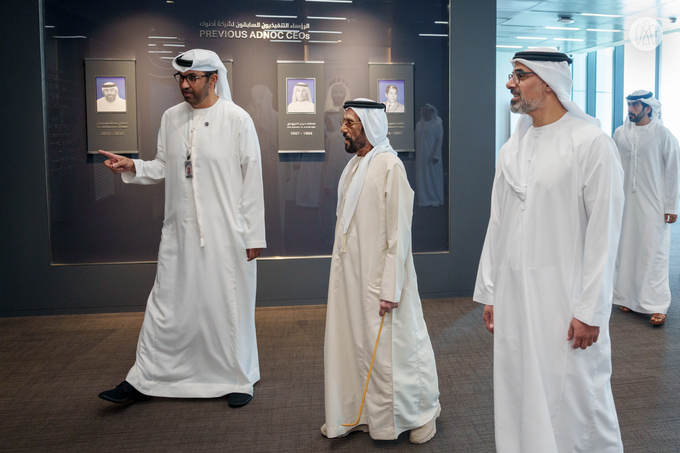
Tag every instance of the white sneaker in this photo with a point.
(360, 428)
(425, 432)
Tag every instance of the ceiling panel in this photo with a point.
(529, 19)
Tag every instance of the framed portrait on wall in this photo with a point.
(110, 94)
(300, 95)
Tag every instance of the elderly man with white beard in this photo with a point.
(546, 270)
(373, 276)
(649, 153)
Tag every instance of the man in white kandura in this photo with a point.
(649, 154)
(372, 274)
(429, 167)
(547, 267)
(198, 336)
(111, 101)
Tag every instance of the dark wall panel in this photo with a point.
(29, 285)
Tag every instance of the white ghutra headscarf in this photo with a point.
(553, 68)
(374, 120)
(205, 61)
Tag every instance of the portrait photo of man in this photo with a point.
(391, 94)
(111, 94)
(300, 96)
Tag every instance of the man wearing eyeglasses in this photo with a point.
(372, 275)
(198, 336)
(545, 274)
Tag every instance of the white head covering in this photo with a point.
(374, 121)
(553, 68)
(631, 132)
(558, 77)
(205, 60)
(435, 117)
(300, 88)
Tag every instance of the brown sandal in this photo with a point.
(657, 319)
(625, 309)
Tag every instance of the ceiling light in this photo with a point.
(600, 15)
(531, 37)
(600, 29)
(441, 22)
(565, 20)
(326, 18)
(275, 16)
(562, 28)
(49, 26)
(433, 34)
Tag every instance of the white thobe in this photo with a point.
(377, 264)
(429, 174)
(198, 336)
(641, 278)
(118, 105)
(548, 257)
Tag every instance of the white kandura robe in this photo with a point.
(429, 174)
(546, 259)
(641, 278)
(403, 392)
(198, 336)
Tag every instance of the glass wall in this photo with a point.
(603, 88)
(669, 91)
(95, 218)
(638, 69)
(578, 73)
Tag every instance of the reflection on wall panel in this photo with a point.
(300, 190)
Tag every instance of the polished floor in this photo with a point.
(53, 367)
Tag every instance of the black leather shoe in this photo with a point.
(238, 399)
(123, 393)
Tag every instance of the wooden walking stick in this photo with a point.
(368, 378)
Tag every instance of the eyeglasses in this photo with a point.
(349, 123)
(191, 78)
(518, 76)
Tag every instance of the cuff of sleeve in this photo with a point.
(673, 211)
(486, 299)
(395, 297)
(132, 178)
(586, 318)
(256, 244)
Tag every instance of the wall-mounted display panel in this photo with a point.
(392, 84)
(111, 103)
(87, 202)
(301, 129)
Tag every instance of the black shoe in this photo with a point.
(238, 399)
(123, 393)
